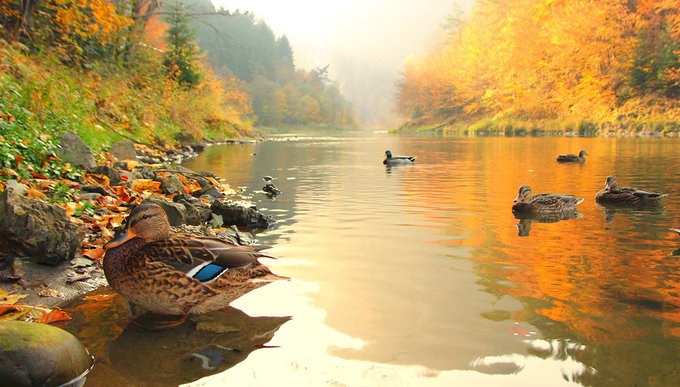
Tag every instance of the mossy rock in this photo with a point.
(34, 354)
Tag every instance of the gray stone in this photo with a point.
(176, 212)
(146, 172)
(36, 229)
(74, 150)
(211, 193)
(33, 354)
(13, 185)
(112, 173)
(131, 175)
(241, 216)
(89, 196)
(196, 213)
(94, 188)
(171, 185)
(124, 150)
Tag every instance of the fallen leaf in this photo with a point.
(77, 277)
(94, 254)
(141, 185)
(35, 194)
(53, 315)
(11, 298)
(132, 164)
(81, 262)
(50, 293)
(122, 193)
(5, 308)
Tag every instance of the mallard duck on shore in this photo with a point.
(397, 160)
(528, 203)
(572, 158)
(613, 194)
(179, 274)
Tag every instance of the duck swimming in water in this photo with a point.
(613, 194)
(572, 158)
(528, 203)
(397, 160)
(179, 274)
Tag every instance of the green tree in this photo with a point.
(182, 55)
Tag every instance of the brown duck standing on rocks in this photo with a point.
(613, 194)
(527, 203)
(178, 274)
(572, 158)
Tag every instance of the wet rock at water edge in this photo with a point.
(196, 212)
(36, 229)
(210, 193)
(241, 216)
(34, 354)
(74, 150)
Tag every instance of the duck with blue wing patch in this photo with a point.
(179, 274)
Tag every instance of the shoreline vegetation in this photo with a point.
(519, 128)
(548, 67)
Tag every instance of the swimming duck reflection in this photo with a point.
(208, 344)
(525, 220)
(610, 210)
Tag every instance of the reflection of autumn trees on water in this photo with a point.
(601, 276)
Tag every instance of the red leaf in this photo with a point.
(4, 308)
(53, 316)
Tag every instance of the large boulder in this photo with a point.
(74, 150)
(34, 354)
(36, 229)
(124, 150)
(241, 216)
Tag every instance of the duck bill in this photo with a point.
(119, 240)
(607, 187)
(518, 198)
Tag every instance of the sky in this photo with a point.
(365, 42)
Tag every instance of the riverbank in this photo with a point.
(518, 127)
(97, 200)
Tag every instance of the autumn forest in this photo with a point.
(590, 66)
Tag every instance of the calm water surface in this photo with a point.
(421, 275)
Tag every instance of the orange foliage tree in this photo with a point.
(546, 59)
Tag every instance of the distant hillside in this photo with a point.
(244, 47)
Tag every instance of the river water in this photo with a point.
(421, 275)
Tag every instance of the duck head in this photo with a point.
(147, 221)
(610, 183)
(582, 153)
(388, 154)
(524, 194)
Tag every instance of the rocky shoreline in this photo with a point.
(51, 253)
